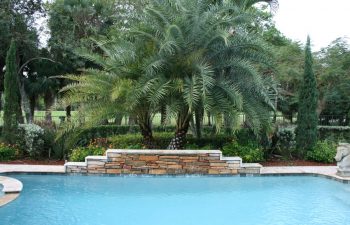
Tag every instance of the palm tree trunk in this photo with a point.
(69, 112)
(147, 135)
(118, 119)
(132, 120)
(199, 122)
(209, 118)
(182, 125)
(163, 115)
(145, 123)
(32, 103)
(48, 101)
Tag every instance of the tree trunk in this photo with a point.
(48, 101)
(0, 101)
(2, 64)
(209, 119)
(228, 121)
(198, 122)
(145, 124)
(32, 103)
(132, 120)
(69, 112)
(147, 135)
(163, 115)
(182, 125)
(178, 142)
(118, 119)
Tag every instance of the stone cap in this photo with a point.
(75, 164)
(251, 165)
(95, 157)
(11, 185)
(162, 151)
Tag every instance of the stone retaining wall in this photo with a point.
(162, 162)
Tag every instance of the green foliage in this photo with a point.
(247, 153)
(83, 136)
(335, 134)
(12, 97)
(286, 142)
(306, 131)
(196, 147)
(8, 152)
(128, 141)
(79, 154)
(49, 146)
(334, 81)
(31, 141)
(324, 151)
(246, 137)
(185, 70)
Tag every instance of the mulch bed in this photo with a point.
(35, 162)
(295, 163)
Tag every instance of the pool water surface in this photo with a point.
(179, 200)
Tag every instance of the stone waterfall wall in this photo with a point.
(162, 162)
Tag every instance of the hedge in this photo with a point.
(162, 140)
(334, 133)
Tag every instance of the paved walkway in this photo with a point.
(322, 170)
(31, 168)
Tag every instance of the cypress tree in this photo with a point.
(306, 131)
(12, 97)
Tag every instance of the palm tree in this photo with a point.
(200, 64)
(112, 87)
(39, 83)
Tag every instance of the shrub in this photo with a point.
(162, 140)
(324, 151)
(247, 153)
(334, 133)
(194, 146)
(104, 131)
(79, 154)
(31, 139)
(286, 141)
(134, 141)
(246, 137)
(8, 152)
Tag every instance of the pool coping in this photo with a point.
(11, 189)
(321, 171)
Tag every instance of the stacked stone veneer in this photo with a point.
(162, 162)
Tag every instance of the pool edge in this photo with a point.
(11, 188)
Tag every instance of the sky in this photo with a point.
(323, 20)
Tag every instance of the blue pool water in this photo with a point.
(196, 200)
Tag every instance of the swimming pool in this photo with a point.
(180, 200)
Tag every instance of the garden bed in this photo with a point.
(294, 163)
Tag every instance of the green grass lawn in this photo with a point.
(40, 115)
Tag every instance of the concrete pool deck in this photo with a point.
(328, 171)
